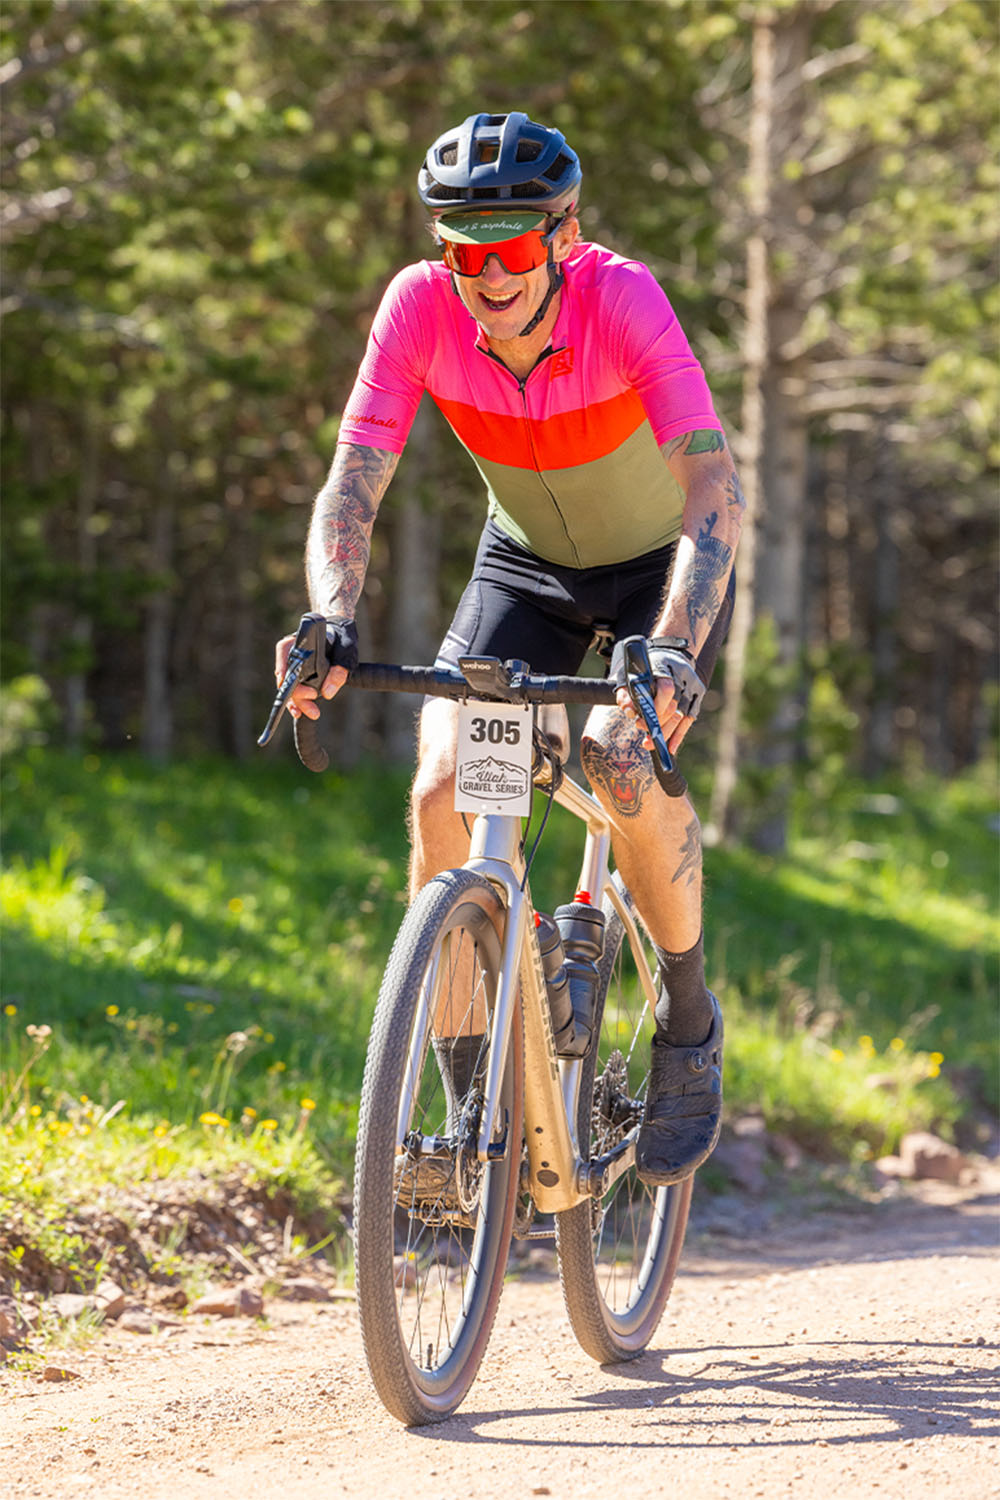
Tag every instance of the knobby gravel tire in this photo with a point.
(430, 1262)
(618, 1255)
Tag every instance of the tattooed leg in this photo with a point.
(656, 839)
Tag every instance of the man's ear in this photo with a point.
(566, 237)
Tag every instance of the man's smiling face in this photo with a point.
(501, 303)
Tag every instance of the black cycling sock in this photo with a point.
(458, 1057)
(684, 1010)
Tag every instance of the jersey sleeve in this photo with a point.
(390, 382)
(656, 359)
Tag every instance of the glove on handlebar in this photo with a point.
(342, 643)
(668, 657)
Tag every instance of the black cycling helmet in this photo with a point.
(494, 161)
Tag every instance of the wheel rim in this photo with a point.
(445, 1256)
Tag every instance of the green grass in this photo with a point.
(207, 940)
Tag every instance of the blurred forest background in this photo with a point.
(204, 200)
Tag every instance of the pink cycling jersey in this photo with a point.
(570, 454)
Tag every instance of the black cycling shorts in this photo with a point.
(518, 605)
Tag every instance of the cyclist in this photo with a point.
(613, 503)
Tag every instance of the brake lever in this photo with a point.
(309, 647)
(641, 689)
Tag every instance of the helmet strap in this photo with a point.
(555, 282)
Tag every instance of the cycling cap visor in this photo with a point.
(518, 240)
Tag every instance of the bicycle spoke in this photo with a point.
(449, 1215)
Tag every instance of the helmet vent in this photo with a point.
(449, 154)
(528, 150)
(557, 168)
(487, 151)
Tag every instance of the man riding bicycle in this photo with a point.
(614, 506)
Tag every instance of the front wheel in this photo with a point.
(432, 1222)
(618, 1254)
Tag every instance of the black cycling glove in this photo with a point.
(341, 643)
(668, 657)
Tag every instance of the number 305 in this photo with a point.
(496, 731)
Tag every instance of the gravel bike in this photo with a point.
(506, 1067)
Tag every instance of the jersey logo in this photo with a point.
(372, 421)
(562, 363)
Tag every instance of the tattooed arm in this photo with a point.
(713, 515)
(339, 542)
(337, 550)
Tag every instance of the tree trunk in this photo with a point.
(157, 716)
(880, 735)
(82, 627)
(778, 553)
(242, 705)
(751, 444)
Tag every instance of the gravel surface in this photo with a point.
(801, 1354)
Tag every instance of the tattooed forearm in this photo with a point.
(735, 499)
(339, 543)
(616, 764)
(690, 863)
(705, 440)
(709, 568)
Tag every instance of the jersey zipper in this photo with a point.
(522, 381)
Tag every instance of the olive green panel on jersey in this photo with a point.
(605, 511)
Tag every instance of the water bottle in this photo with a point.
(556, 981)
(581, 927)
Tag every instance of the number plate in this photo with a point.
(493, 772)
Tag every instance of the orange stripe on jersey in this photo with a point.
(561, 441)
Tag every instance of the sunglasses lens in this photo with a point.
(517, 256)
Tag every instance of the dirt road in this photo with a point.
(809, 1357)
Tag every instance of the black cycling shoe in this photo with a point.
(683, 1114)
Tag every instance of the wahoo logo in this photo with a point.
(562, 363)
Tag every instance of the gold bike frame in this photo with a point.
(558, 1176)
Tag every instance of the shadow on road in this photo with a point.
(799, 1399)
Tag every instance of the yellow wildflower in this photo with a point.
(111, 1010)
(897, 1044)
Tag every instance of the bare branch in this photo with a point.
(128, 330)
(865, 398)
(19, 68)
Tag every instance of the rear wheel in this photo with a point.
(432, 1222)
(618, 1254)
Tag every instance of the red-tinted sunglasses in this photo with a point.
(518, 256)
